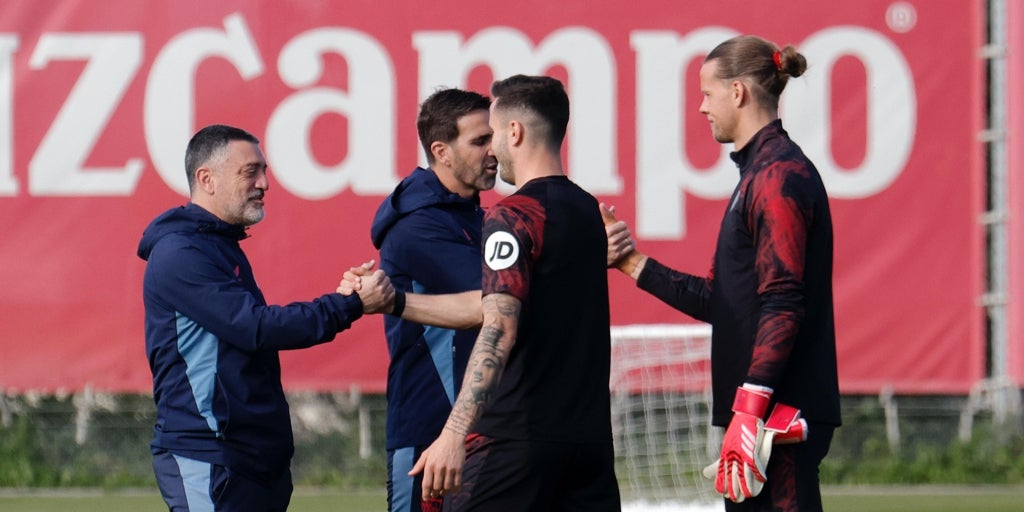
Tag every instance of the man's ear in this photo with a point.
(204, 180)
(740, 93)
(516, 133)
(441, 152)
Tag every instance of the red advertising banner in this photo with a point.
(1015, 172)
(98, 99)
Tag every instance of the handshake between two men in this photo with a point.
(459, 310)
(373, 287)
(741, 470)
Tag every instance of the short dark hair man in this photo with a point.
(223, 438)
(535, 400)
(428, 234)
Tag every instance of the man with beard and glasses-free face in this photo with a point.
(531, 428)
(223, 438)
(768, 296)
(428, 234)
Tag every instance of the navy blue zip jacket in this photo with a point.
(429, 242)
(212, 343)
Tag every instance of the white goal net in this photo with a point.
(661, 422)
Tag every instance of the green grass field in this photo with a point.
(874, 499)
(924, 498)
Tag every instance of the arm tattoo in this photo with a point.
(487, 361)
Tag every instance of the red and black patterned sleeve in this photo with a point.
(778, 220)
(687, 293)
(513, 239)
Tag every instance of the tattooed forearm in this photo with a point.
(507, 308)
(486, 362)
(490, 334)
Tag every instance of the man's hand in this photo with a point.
(620, 242)
(351, 281)
(784, 426)
(441, 465)
(622, 253)
(373, 287)
(741, 468)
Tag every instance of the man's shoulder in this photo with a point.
(422, 222)
(184, 249)
(172, 242)
(522, 202)
(430, 235)
(786, 174)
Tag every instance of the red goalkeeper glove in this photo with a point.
(741, 469)
(784, 426)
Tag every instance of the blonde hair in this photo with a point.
(758, 62)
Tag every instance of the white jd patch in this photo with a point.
(501, 250)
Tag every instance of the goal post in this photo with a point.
(661, 395)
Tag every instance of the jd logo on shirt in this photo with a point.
(501, 250)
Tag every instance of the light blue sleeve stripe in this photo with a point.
(195, 476)
(199, 349)
(440, 342)
(401, 483)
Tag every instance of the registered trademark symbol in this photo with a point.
(901, 17)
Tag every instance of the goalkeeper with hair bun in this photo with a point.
(768, 296)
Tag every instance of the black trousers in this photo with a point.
(502, 475)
